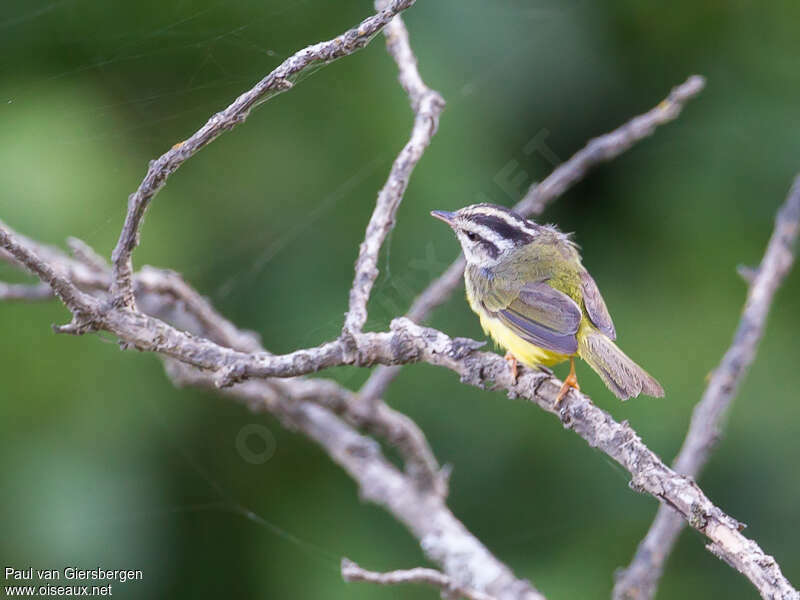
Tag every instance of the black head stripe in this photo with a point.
(502, 228)
(490, 248)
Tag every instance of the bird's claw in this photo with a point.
(512, 363)
(571, 381)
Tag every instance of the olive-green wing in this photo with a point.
(596, 306)
(543, 316)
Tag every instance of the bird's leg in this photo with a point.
(570, 382)
(512, 363)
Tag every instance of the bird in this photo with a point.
(527, 284)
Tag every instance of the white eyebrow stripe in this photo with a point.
(514, 221)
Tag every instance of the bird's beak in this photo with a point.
(443, 215)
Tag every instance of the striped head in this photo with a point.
(488, 233)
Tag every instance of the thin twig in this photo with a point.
(75, 300)
(279, 80)
(539, 195)
(427, 105)
(609, 146)
(352, 572)
(639, 580)
(82, 276)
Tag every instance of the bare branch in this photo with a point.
(639, 580)
(608, 146)
(408, 342)
(164, 294)
(649, 474)
(82, 276)
(427, 106)
(601, 149)
(435, 294)
(443, 538)
(352, 572)
(396, 428)
(420, 506)
(279, 80)
(81, 305)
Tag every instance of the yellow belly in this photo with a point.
(523, 351)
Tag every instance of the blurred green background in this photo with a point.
(104, 462)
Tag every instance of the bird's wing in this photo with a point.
(596, 306)
(544, 317)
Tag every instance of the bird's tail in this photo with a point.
(620, 374)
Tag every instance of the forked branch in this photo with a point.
(279, 80)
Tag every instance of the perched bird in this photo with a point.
(534, 297)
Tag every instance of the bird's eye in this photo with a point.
(472, 236)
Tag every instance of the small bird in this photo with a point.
(534, 298)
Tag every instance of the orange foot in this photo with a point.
(570, 382)
(512, 363)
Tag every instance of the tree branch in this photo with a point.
(80, 304)
(407, 342)
(443, 538)
(409, 497)
(539, 195)
(163, 293)
(427, 106)
(608, 147)
(640, 579)
(352, 572)
(279, 80)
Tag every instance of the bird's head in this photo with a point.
(488, 233)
